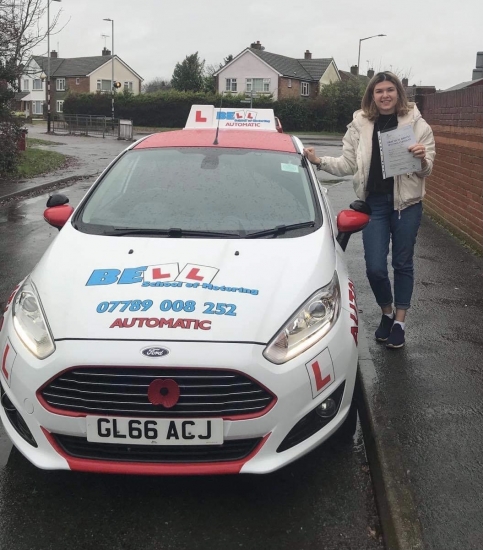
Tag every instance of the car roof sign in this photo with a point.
(208, 116)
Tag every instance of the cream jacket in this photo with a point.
(357, 151)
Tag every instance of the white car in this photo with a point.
(193, 316)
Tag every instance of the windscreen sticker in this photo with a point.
(165, 275)
(289, 167)
(155, 322)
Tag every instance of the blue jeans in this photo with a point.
(386, 225)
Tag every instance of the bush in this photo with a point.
(10, 133)
(330, 111)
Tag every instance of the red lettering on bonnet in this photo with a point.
(154, 322)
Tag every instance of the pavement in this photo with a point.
(421, 407)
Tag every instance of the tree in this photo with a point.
(156, 85)
(20, 32)
(340, 100)
(188, 75)
(209, 81)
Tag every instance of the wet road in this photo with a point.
(323, 501)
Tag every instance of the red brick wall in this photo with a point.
(82, 87)
(294, 91)
(454, 191)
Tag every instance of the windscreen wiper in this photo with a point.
(173, 232)
(279, 230)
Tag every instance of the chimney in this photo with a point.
(53, 54)
(307, 55)
(105, 51)
(355, 70)
(370, 73)
(405, 82)
(478, 72)
(256, 45)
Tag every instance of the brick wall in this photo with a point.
(82, 87)
(284, 91)
(454, 191)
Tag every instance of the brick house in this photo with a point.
(255, 70)
(79, 74)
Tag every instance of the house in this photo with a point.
(354, 75)
(79, 74)
(467, 84)
(255, 70)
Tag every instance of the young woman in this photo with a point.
(395, 202)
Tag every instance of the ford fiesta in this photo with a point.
(194, 315)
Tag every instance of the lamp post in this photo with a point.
(360, 40)
(48, 63)
(112, 70)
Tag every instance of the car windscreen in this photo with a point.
(204, 189)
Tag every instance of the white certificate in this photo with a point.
(395, 157)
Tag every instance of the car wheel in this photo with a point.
(348, 428)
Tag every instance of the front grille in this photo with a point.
(123, 391)
(79, 447)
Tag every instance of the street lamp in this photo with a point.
(48, 63)
(112, 68)
(360, 40)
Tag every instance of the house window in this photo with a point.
(289, 83)
(104, 85)
(60, 84)
(258, 85)
(128, 86)
(304, 89)
(60, 106)
(25, 87)
(230, 85)
(37, 107)
(37, 84)
(77, 80)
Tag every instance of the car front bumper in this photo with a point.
(292, 384)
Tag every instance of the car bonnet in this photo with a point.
(232, 290)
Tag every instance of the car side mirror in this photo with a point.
(57, 216)
(57, 200)
(348, 222)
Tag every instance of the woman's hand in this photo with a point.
(418, 150)
(309, 152)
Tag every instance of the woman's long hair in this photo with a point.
(369, 107)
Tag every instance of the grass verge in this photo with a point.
(34, 162)
(33, 142)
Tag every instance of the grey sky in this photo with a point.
(434, 41)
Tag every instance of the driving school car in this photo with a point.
(194, 315)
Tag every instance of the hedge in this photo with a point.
(330, 111)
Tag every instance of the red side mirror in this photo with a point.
(350, 221)
(57, 216)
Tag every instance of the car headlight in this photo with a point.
(30, 322)
(307, 326)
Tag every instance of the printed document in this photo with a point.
(395, 157)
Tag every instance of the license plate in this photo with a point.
(155, 431)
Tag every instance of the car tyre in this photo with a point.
(348, 428)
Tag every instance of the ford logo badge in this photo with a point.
(155, 352)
